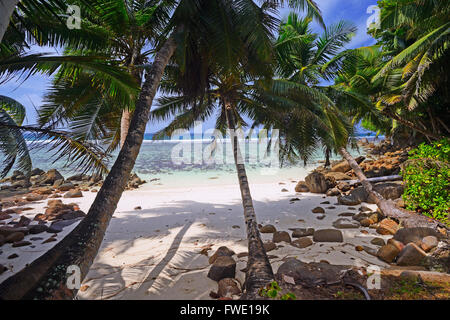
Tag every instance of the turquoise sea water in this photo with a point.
(190, 162)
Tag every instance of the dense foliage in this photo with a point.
(427, 180)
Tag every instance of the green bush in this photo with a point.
(427, 180)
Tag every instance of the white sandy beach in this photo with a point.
(153, 253)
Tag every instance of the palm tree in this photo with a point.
(16, 63)
(319, 105)
(189, 21)
(131, 29)
(414, 35)
(233, 94)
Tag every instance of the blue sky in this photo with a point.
(30, 92)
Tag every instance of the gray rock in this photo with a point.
(37, 228)
(302, 242)
(348, 201)
(14, 237)
(318, 210)
(268, 229)
(333, 192)
(415, 235)
(378, 242)
(429, 243)
(328, 235)
(411, 255)
(66, 186)
(388, 253)
(280, 236)
(346, 214)
(73, 194)
(21, 244)
(302, 232)
(223, 267)
(51, 176)
(316, 183)
(344, 223)
(269, 246)
(311, 274)
(228, 287)
(221, 252)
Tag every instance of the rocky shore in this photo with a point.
(409, 248)
(19, 194)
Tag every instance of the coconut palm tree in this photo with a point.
(131, 29)
(322, 104)
(415, 36)
(232, 94)
(189, 21)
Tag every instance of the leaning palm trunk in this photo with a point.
(411, 125)
(259, 271)
(387, 207)
(124, 126)
(46, 277)
(6, 10)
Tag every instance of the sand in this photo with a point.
(153, 253)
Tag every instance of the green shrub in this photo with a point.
(427, 180)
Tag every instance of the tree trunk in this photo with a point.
(124, 126)
(259, 271)
(411, 125)
(6, 10)
(387, 207)
(327, 158)
(46, 277)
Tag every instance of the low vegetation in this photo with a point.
(427, 180)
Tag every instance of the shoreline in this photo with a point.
(160, 238)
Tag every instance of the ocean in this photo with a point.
(196, 162)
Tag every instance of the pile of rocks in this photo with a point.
(223, 270)
(409, 246)
(42, 182)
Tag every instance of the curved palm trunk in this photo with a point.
(259, 271)
(411, 125)
(6, 10)
(46, 277)
(124, 126)
(387, 207)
